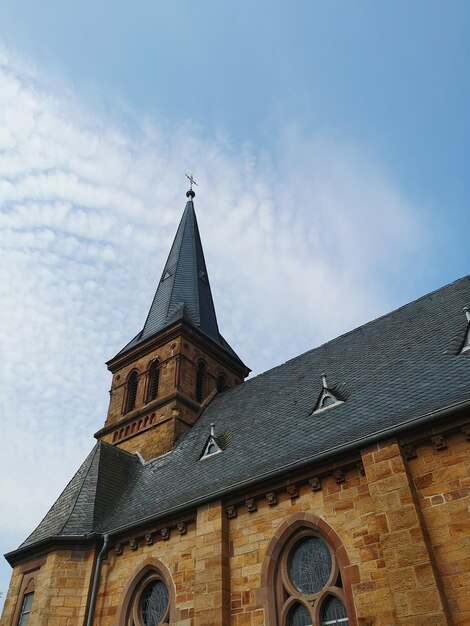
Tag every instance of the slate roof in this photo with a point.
(389, 372)
(184, 291)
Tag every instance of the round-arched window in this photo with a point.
(334, 612)
(154, 603)
(308, 587)
(299, 616)
(148, 599)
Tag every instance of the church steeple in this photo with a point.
(183, 292)
(166, 374)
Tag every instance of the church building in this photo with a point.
(332, 490)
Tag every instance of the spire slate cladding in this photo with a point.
(183, 293)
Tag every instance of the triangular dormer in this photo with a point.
(216, 444)
(327, 398)
(163, 378)
(466, 341)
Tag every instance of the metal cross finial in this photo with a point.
(189, 176)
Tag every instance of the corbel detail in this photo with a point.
(292, 491)
(271, 498)
(315, 483)
(439, 442)
(338, 475)
(231, 511)
(409, 452)
(251, 505)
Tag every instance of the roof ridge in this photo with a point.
(353, 330)
(178, 259)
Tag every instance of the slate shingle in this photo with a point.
(391, 371)
(183, 292)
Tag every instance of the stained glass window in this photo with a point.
(25, 609)
(334, 613)
(310, 565)
(299, 616)
(154, 603)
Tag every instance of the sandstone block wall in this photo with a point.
(401, 526)
(61, 590)
(442, 481)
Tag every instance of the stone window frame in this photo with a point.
(28, 585)
(275, 574)
(150, 570)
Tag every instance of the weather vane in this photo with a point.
(189, 176)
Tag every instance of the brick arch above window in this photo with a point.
(151, 570)
(281, 596)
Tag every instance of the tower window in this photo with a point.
(131, 391)
(221, 384)
(154, 380)
(200, 375)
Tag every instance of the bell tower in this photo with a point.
(167, 374)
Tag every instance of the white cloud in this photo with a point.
(302, 243)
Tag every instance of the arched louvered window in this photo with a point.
(153, 380)
(221, 384)
(132, 383)
(200, 376)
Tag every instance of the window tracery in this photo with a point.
(303, 578)
(149, 598)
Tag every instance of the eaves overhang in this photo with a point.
(179, 328)
(301, 464)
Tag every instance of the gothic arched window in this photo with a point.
(221, 383)
(153, 380)
(302, 576)
(200, 376)
(131, 396)
(149, 598)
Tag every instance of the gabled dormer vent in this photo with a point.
(327, 398)
(167, 274)
(214, 445)
(466, 341)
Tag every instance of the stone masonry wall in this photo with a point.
(400, 526)
(61, 590)
(441, 474)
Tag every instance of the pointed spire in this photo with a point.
(183, 292)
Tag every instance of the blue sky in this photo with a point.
(331, 145)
